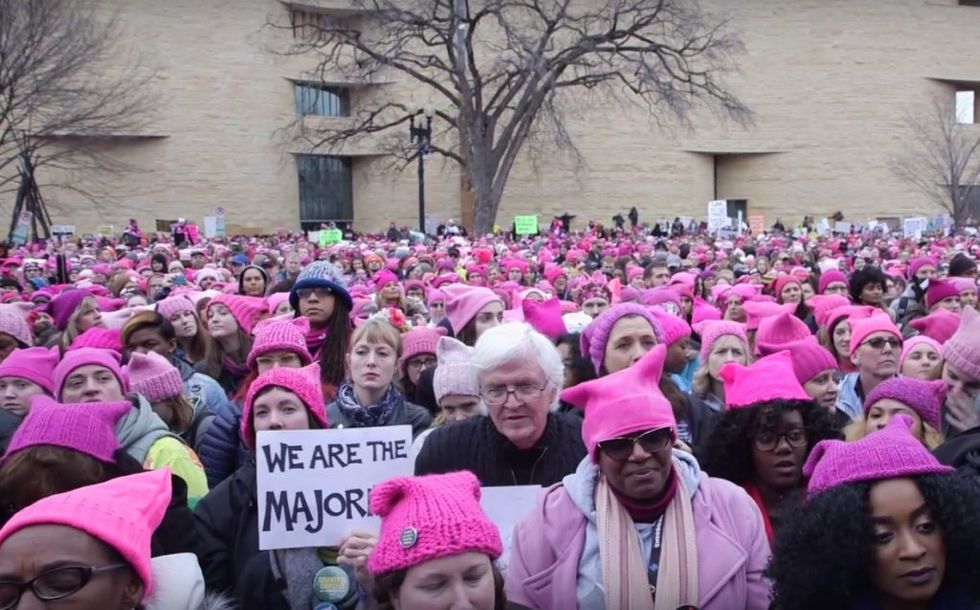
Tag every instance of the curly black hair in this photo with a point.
(727, 452)
(823, 552)
(863, 277)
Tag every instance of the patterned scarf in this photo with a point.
(369, 416)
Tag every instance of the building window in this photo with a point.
(966, 106)
(325, 188)
(322, 101)
(969, 2)
(308, 25)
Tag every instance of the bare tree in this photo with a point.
(501, 70)
(66, 89)
(942, 159)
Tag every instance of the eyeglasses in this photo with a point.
(320, 292)
(652, 441)
(768, 441)
(879, 343)
(52, 585)
(524, 392)
(421, 363)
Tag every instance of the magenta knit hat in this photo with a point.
(940, 325)
(100, 338)
(829, 277)
(862, 329)
(917, 263)
(675, 328)
(596, 335)
(280, 334)
(963, 348)
(88, 428)
(122, 512)
(84, 357)
(420, 340)
(911, 344)
(891, 453)
(712, 330)
(14, 323)
(304, 383)
(463, 303)
(767, 379)
(65, 304)
(810, 359)
(384, 277)
(544, 317)
(454, 373)
(34, 364)
(171, 306)
(781, 283)
(939, 290)
(822, 304)
(924, 397)
(434, 295)
(623, 402)
(430, 517)
(775, 332)
(245, 310)
(153, 376)
(704, 312)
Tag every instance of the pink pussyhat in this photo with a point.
(962, 350)
(892, 453)
(304, 383)
(914, 342)
(544, 317)
(776, 331)
(430, 517)
(675, 328)
(88, 428)
(623, 402)
(862, 329)
(940, 325)
(756, 311)
(770, 378)
(277, 334)
(822, 304)
(924, 397)
(463, 303)
(122, 512)
(35, 364)
(712, 330)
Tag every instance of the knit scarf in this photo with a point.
(624, 571)
(315, 340)
(238, 371)
(371, 415)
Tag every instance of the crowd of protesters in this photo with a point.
(785, 420)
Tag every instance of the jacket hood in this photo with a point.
(138, 429)
(178, 584)
(580, 485)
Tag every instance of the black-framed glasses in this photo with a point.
(421, 363)
(652, 441)
(321, 292)
(52, 585)
(523, 392)
(768, 441)
(879, 343)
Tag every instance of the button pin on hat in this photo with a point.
(409, 537)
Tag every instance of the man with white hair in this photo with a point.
(522, 440)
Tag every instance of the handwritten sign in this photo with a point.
(329, 237)
(913, 227)
(526, 225)
(717, 214)
(313, 485)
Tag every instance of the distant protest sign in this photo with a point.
(526, 225)
(329, 237)
(313, 485)
(717, 214)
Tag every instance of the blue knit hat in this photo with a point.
(320, 274)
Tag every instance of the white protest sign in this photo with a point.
(506, 506)
(823, 226)
(717, 214)
(842, 227)
(913, 227)
(313, 485)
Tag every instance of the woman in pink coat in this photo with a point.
(637, 526)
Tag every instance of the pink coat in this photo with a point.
(731, 541)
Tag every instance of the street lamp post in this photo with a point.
(421, 135)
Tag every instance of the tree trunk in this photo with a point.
(485, 212)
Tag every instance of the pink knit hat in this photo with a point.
(65, 304)
(14, 323)
(940, 325)
(891, 453)
(304, 383)
(829, 277)
(101, 338)
(822, 304)
(776, 331)
(713, 330)
(924, 397)
(171, 306)
(84, 357)
(420, 340)
(704, 312)
(463, 303)
(810, 359)
(623, 402)
(767, 379)
(88, 428)
(939, 290)
(276, 299)
(153, 376)
(34, 364)
(596, 335)
(917, 263)
(245, 310)
(544, 317)
(675, 328)
(911, 344)
(963, 348)
(279, 334)
(382, 278)
(862, 329)
(781, 283)
(430, 517)
(757, 310)
(122, 512)
(454, 374)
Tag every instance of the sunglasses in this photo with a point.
(652, 441)
(879, 343)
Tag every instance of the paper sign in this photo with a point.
(62, 229)
(717, 214)
(842, 227)
(913, 227)
(313, 237)
(506, 506)
(23, 227)
(823, 226)
(329, 237)
(105, 230)
(757, 224)
(210, 226)
(526, 225)
(313, 485)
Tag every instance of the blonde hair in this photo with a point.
(376, 330)
(71, 330)
(858, 429)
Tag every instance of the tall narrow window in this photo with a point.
(322, 101)
(325, 188)
(966, 103)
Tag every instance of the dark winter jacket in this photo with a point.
(474, 444)
(8, 425)
(222, 450)
(403, 413)
(227, 526)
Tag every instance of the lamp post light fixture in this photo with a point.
(421, 135)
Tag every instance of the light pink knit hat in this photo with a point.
(712, 330)
(463, 303)
(862, 329)
(454, 374)
(940, 325)
(122, 512)
(776, 331)
(419, 341)
(770, 378)
(911, 344)
(171, 306)
(304, 382)
(14, 323)
(430, 517)
(99, 338)
(153, 376)
(35, 364)
(245, 310)
(963, 348)
(280, 334)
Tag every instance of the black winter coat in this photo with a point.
(474, 444)
(227, 525)
(404, 413)
(8, 425)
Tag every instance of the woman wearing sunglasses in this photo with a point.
(637, 526)
(876, 351)
(763, 437)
